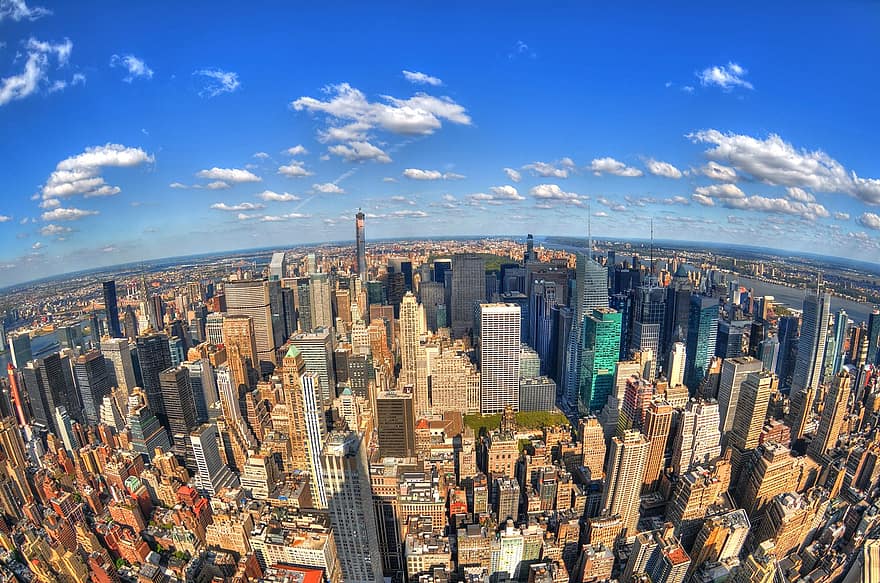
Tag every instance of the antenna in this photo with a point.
(652, 245)
(589, 235)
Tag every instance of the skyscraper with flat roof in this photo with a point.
(600, 351)
(468, 290)
(627, 458)
(360, 242)
(499, 356)
(111, 306)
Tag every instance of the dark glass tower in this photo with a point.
(112, 308)
(361, 246)
(154, 356)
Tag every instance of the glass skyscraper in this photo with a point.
(600, 351)
(702, 334)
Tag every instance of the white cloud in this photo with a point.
(178, 185)
(776, 162)
(720, 191)
(37, 245)
(217, 81)
(600, 214)
(807, 210)
(421, 114)
(36, 70)
(359, 152)
(5, 218)
(137, 68)
(841, 216)
(869, 220)
(506, 192)
(409, 214)
(724, 76)
(242, 206)
(609, 165)
(512, 174)
(271, 196)
(389, 179)
(328, 188)
(229, 175)
(418, 174)
(421, 78)
(80, 174)
(558, 169)
(245, 217)
(664, 169)
(261, 155)
(799, 194)
(295, 169)
(703, 199)
(66, 214)
(552, 193)
(19, 10)
(217, 185)
(716, 171)
(298, 150)
(53, 230)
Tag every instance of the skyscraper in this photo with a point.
(212, 475)
(499, 356)
(836, 401)
(317, 353)
(676, 364)
(361, 243)
(751, 411)
(811, 347)
(412, 326)
(320, 300)
(117, 352)
(395, 421)
(154, 357)
(20, 349)
(180, 411)
(93, 382)
(349, 500)
(678, 309)
(658, 423)
(111, 306)
(252, 298)
(873, 336)
(698, 440)
(702, 333)
(600, 351)
(649, 312)
(591, 292)
(627, 458)
(733, 373)
(468, 290)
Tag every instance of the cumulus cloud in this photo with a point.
(506, 192)
(418, 174)
(359, 152)
(609, 165)
(420, 114)
(298, 150)
(228, 175)
(720, 191)
(559, 169)
(39, 56)
(261, 155)
(217, 185)
(18, 10)
(841, 216)
(295, 169)
(421, 78)
(727, 77)
(328, 188)
(870, 221)
(799, 194)
(5, 218)
(66, 214)
(409, 214)
(664, 169)
(703, 199)
(271, 196)
(243, 206)
(716, 171)
(136, 68)
(53, 230)
(81, 174)
(807, 210)
(217, 81)
(776, 162)
(512, 174)
(551, 193)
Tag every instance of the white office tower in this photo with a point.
(118, 352)
(65, 428)
(110, 415)
(277, 266)
(627, 457)
(591, 292)
(811, 346)
(499, 326)
(412, 328)
(675, 368)
(317, 352)
(733, 372)
(350, 502)
(213, 475)
(320, 298)
(698, 440)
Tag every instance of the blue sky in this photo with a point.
(140, 131)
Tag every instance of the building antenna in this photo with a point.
(652, 245)
(589, 235)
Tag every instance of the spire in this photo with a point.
(652, 245)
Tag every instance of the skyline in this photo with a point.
(138, 147)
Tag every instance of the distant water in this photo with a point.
(794, 298)
(40, 346)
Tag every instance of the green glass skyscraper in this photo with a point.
(702, 333)
(600, 351)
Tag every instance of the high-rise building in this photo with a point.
(733, 373)
(811, 346)
(117, 352)
(212, 475)
(255, 298)
(204, 386)
(180, 411)
(361, 244)
(678, 309)
(833, 412)
(841, 327)
(278, 266)
(320, 291)
(658, 424)
(721, 538)
(455, 382)
(649, 313)
(112, 308)
(20, 349)
(676, 363)
(751, 410)
(698, 439)
(147, 433)
(702, 334)
(317, 353)
(412, 327)
(64, 427)
(48, 386)
(468, 290)
(239, 338)
(591, 292)
(499, 326)
(349, 500)
(395, 422)
(873, 335)
(627, 458)
(154, 357)
(433, 296)
(93, 382)
(599, 354)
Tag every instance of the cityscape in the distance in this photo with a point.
(386, 293)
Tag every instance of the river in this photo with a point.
(794, 298)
